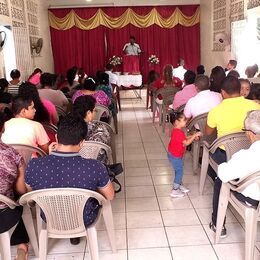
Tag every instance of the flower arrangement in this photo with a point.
(153, 59)
(115, 61)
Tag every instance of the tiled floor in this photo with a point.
(149, 224)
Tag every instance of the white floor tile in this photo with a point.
(138, 181)
(140, 192)
(194, 253)
(142, 204)
(167, 203)
(150, 254)
(144, 219)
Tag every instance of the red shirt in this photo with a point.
(176, 147)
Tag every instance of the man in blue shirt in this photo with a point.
(64, 167)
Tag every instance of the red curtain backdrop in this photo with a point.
(86, 48)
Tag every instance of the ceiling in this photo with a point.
(84, 3)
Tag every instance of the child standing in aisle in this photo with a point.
(176, 150)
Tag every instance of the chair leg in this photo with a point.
(109, 222)
(204, 169)
(93, 243)
(250, 229)
(118, 98)
(5, 245)
(28, 222)
(115, 123)
(160, 115)
(195, 156)
(154, 109)
(163, 120)
(43, 248)
(147, 97)
(222, 209)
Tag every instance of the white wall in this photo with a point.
(45, 60)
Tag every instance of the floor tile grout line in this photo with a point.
(149, 166)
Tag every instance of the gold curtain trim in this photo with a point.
(128, 17)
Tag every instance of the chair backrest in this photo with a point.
(168, 100)
(61, 112)
(91, 150)
(166, 91)
(232, 143)
(27, 151)
(63, 208)
(198, 121)
(50, 128)
(180, 108)
(100, 110)
(10, 203)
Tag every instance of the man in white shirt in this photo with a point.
(113, 78)
(132, 48)
(180, 70)
(242, 163)
(232, 64)
(204, 101)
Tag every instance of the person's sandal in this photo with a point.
(21, 254)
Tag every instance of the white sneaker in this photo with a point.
(177, 193)
(184, 189)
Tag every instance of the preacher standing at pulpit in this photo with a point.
(131, 58)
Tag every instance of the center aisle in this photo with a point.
(149, 224)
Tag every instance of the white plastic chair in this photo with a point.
(249, 214)
(100, 110)
(232, 144)
(198, 122)
(63, 209)
(27, 151)
(91, 150)
(6, 236)
(112, 138)
(164, 92)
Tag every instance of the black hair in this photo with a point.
(89, 84)
(28, 90)
(174, 116)
(97, 78)
(71, 130)
(200, 70)
(3, 85)
(104, 78)
(202, 82)
(71, 74)
(109, 66)
(255, 91)
(3, 119)
(189, 77)
(233, 63)
(231, 85)
(47, 79)
(216, 77)
(20, 103)
(15, 74)
(83, 104)
(251, 71)
(234, 73)
(37, 70)
(152, 76)
(132, 37)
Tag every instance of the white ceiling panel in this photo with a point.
(85, 3)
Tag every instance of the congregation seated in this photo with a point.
(204, 101)
(65, 168)
(102, 81)
(234, 73)
(45, 110)
(245, 88)
(242, 164)
(84, 107)
(81, 75)
(47, 92)
(89, 89)
(189, 90)
(15, 82)
(12, 184)
(217, 75)
(22, 129)
(71, 81)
